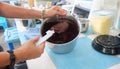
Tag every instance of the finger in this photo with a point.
(59, 10)
(36, 39)
(62, 12)
(56, 7)
(42, 46)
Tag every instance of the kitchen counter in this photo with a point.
(83, 56)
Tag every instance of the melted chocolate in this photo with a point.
(60, 27)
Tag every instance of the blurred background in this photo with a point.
(82, 8)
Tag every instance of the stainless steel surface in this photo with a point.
(84, 22)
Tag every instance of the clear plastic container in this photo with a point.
(101, 21)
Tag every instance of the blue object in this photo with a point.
(3, 22)
(11, 35)
(32, 32)
(83, 57)
(11, 46)
(63, 48)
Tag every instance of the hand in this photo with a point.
(29, 50)
(55, 10)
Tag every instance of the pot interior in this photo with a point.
(60, 38)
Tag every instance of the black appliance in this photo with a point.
(107, 44)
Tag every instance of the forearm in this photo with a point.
(10, 11)
(5, 57)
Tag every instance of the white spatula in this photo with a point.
(49, 33)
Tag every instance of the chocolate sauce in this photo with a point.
(66, 29)
(60, 27)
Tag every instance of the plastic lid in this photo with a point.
(108, 40)
(103, 12)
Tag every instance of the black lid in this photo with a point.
(107, 44)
